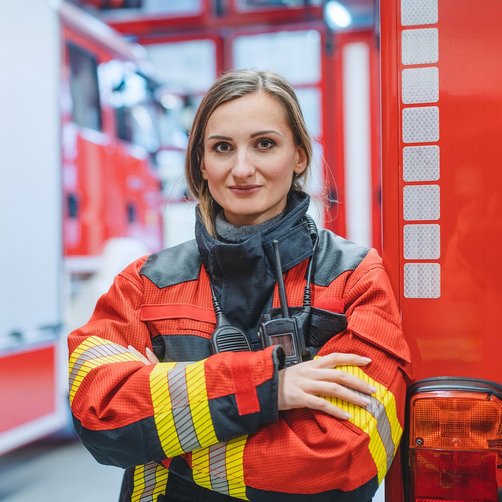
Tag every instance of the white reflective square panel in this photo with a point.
(419, 46)
(420, 85)
(421, 242)
(421, 202)
(421, 124)
(419, 12)
(422, 280)
(421, 163)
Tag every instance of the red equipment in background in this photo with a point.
(75, 179)
(442, 206)
(110, 138)
(327, 67)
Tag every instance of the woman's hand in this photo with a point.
(301, 385)
(150, 358)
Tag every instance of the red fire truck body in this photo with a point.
(442, 206)
(76, 173)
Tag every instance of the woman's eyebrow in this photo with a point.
(217, 136)
(267, 131)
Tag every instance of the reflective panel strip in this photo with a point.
(378, 420)
(221, 467)
(421, 202)
(422, 242)
(150, 481)
(164, 419)
(139, 483)
(200, 468)
(420, 85)
(199, 404)
(421, 163)
(218, 468)
(235, 467)
(181, 410)
(415, 12)
(420, 124)
(422, 280)
(419, 46)
(92, 353)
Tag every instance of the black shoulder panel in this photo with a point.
(173, 265)
(334, 256)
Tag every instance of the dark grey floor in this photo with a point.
(56, 471)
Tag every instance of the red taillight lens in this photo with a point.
(455, 446)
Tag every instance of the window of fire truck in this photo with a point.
(136, 111)
(84, 89)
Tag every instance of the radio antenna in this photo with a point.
(280, 280)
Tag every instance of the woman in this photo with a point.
(233, 416)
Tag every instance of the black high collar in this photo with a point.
(243, 274)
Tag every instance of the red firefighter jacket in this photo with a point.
(213, 419)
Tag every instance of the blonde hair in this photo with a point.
(233, 85)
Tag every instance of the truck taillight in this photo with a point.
(455, 441)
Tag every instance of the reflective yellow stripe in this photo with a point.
(200, 467)
(91, 364)
(139, 483)
(150, 481)
(199, 405)
(235, 467)
(368, 423)
(164, 420)
(161, 475)
(385, 397)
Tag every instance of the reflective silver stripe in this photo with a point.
(218, 468)
(150, 475)
(182, 415)
(111, 349)
(154, 482)
(377, 409)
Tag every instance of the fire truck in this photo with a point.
(79, 187)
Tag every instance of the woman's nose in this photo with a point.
(243, 166)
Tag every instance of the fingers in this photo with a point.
(319, 404)
(345, 379)
(340, 359)
(150, 356)
(339, 391)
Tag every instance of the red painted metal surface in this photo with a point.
(116, 189)
(458, 333)
(33, 396)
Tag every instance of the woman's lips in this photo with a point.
(244, 189)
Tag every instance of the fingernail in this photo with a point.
(366, 360)
(148, 350)
(346, 416)
(371, 389)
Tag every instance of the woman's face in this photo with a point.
(250, 157)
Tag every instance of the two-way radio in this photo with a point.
(285, 330)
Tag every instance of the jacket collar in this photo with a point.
(243, 274)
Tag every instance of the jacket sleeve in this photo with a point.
(128, 413)
(307, 451)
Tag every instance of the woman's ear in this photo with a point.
(203, 170)
(301, 160)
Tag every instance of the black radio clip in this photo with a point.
(287, 331)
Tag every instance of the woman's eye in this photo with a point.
(222, 147)
(265, 144)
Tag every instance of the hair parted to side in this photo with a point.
(232, 85)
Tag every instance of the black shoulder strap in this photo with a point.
(173, 265)
(335, 255)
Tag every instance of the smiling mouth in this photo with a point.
(244, 189)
